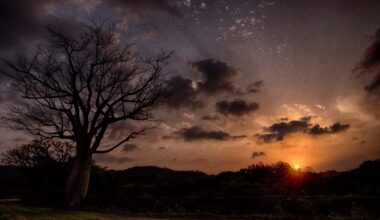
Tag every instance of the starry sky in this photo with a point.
(251, 80)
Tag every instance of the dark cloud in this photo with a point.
(197, 133)
(266, 138)
(374, 84)
(161, 148)
(335, 128)
(209, 118)
(22, 22)
(317, 130)
(371, 63)
(338, 127)
(283, 129)
(258, 154)
(180, 93)
(278, 131)
(254, 87)
(237, 107)
(217, 76)
(372, 55)
(130, 147)
(22, 26)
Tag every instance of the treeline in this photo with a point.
(260, 188)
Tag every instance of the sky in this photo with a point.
(253, 80)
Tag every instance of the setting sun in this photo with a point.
(297, 167)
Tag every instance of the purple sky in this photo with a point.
(255, 80)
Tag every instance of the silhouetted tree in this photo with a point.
(77, 87)
(38, 153)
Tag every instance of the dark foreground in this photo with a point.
(14, 211)
(257, 192)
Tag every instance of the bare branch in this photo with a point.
(128, 138)
(77, 85)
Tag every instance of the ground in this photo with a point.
(16, 211)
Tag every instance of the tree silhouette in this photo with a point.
(77, 86)
(38, 153)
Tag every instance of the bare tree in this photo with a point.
(78, 86)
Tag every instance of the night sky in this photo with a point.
(251, 80)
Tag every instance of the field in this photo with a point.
(259, 192)
(19, 212)
(15, 211)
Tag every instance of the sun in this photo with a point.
(297, 166)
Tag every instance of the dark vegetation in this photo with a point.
(275, 189)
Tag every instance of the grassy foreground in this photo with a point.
(14, 211)
(25, 213)
(20, 212)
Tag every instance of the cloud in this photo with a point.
(254, 87)
(371, 63)
(237, 107)
(217, 76)
(338, 127)
(317, 130)
(266, 138)
(372, 55)
(209, 118)
(120, 129)
(335, 128)
(197, 133)
(180, 93)
(374, 84)
(258, 154)
(22, 27)
(19, 21)
(7, 94)
(22, 22)
(130, 147)
(278, 131)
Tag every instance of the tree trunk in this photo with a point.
(79, 178)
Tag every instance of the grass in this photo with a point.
(21, 212)
(16, 211)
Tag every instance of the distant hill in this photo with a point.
(9, 171)
(265, 189)
(157, 175)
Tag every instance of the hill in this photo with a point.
(258, 189)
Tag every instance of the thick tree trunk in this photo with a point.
(79, 178)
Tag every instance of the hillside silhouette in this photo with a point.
(265, 189)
